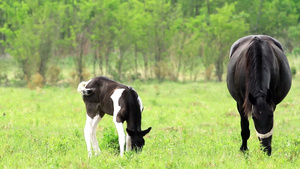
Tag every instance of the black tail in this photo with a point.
(254, 56)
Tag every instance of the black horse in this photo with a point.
(258, 78)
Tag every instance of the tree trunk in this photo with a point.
(80, 57)
(145, 65)
(258, 15)
(94, 61)
(107, 53)
(136, 59)
(44, 54)
(219, 67)
(120, 62)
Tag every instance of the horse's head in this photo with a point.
(262, 115)
(137, 140)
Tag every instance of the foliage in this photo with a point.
(130, 38)
(293, 70)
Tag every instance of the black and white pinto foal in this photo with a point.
(104, 96)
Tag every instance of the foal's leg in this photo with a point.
(128, 142)
(95, 144)
(121, 135)
(119, 124)
(88, 130)
(90, 134)
(245, 133)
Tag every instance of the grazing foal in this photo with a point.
(104, 96)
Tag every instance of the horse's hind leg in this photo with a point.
(245, 133)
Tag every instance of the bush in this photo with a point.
(74, 81)
(53, 74)
(37, 81)
(208, 72)
(293, 70)
(162, 71)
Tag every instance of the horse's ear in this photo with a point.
(146, 131)
(130, 133)
(251, 99)
(269, 96)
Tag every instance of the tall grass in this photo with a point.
(194, 125)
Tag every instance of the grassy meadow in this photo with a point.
(194, 125)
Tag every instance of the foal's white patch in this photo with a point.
(82, 85)
(115, 98)
(266, 135)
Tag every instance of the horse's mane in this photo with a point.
(253, 71)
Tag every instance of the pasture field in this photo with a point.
(194, 125)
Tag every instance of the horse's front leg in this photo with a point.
(245, 132)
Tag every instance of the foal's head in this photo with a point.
(262, 115)
(137, 140)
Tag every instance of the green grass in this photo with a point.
(194, 125)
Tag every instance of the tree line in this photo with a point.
(161, 39)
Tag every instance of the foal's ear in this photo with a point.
(131, 133)
(146, 131)
(141, 133)
(251, 99)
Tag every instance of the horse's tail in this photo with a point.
(83, 90)
(253, 65)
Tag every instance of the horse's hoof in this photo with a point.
(268, 150)
(243, 149)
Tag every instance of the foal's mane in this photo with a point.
(253, 71)
(134, 107)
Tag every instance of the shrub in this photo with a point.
(74, 79)
(37, 81)
(293, 70)
(53, 74)
(162, 71)
(208, 72)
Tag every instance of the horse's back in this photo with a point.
(241, 43)
(236, 70)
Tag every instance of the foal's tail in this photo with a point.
(83, 90)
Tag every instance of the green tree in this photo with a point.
(223, 28)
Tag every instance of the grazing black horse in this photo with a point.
(258, 78)
(104, 96)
